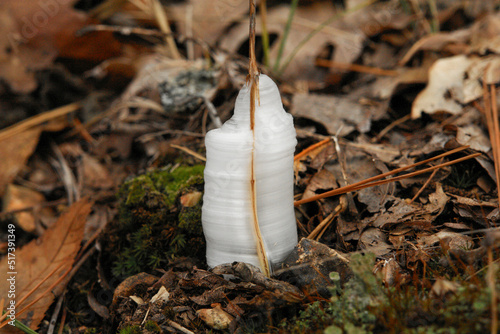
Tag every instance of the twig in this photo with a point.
(253, 82)
(38, 119)
(161, 18)
(190, 152)
(55, 315)
(34, 207)
(425, 185)
(390, 127)
(66, 175)
(179, 327)
(212, 112)
(189, 32)
(355, 67)
(149, 136)
(63, 321)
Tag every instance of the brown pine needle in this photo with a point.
(41, 295)
(424, 186)
(305, 151)
(355, 68)
(372, 181)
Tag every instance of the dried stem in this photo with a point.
(253, 81)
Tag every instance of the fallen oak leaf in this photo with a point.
(43, 263)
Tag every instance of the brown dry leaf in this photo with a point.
(346, 39)
(19, 197)
(322, 180)
(486, 35)
(445, 87)
(215, 318)
(57, 247)
(375, 241)
(211, 18)
(15, 151)
(34, 33)
(451, 240)
(334, 113)
(474, 136)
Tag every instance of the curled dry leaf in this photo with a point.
(15, 151)
(52, 253)
(19, 197)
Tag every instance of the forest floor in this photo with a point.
(105, 105)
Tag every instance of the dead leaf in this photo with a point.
(445, 87)
(34, 33)
(190, 199)
(215, 318)
(162, 296)
(486, 35)
(373, 240)
(340, 116)
(57, 247)
(15, 151)
(19, 197)
(322, 180)
(451, 240)
(347, 40)
(437, 201)
(212, 17)
(475, 137)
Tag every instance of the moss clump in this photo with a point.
(152, 326)
(153, 227)
(131, 330)
(365, 305)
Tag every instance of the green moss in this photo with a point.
(153, 227)
(152, 326)
(130, 330)
(365, 305)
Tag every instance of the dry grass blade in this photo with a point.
(190, 152)
(38, 119)
(373, 181)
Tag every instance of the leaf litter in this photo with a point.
(380, 85)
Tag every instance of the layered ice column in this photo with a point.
(227, 203)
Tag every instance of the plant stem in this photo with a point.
(293, 7)
(253, 81)
(265, 33)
